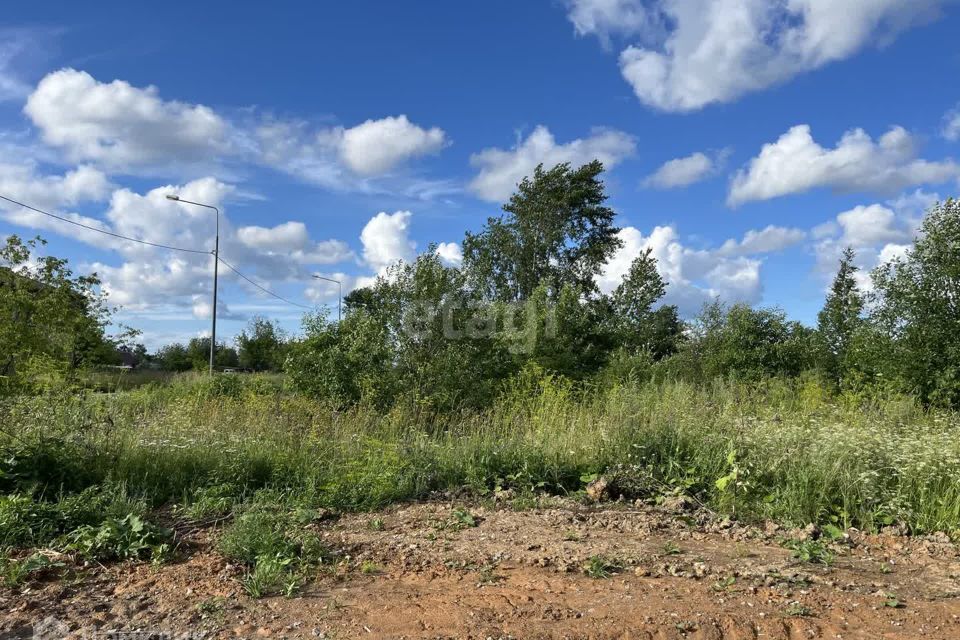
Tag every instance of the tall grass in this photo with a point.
(785, 450)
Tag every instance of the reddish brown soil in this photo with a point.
(519, 574)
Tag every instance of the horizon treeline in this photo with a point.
(525, 304)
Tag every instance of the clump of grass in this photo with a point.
(210, 503)
(15, 572)
(272, 539)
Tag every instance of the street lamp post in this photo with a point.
(216, 264)
(339, 295)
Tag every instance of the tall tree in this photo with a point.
(47, 313)
(261, 345)
(556, 230)
(841, 316)
(917, 304)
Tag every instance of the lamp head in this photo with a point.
(171, 196)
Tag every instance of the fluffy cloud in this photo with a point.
(717, 50)
(451, 253)
(876, 232)
(121, 126)
(796, 163)
(605, 18)
(767, 240)
(682, 172)
(291, 240)
(695, 276)
(501, 170)
(54, 192)
(377, 146)
(148, 276)
(344, 158)
(386, 239)
(130, 129)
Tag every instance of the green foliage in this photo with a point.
(344, 362)
(120, 538)
(601, 567)
(814, 551)
(745, 343)
(261, 346)
(15, 572)
(557, 230)
(51, 321)
(271, 538)
(917, 306)
(840, 319)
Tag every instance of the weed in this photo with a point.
(601, 567)
(270, 537)
(488, 574)
(208, 503)
(797, 610)
(725, 584)
(16, 572)
(375, 524)
(571, 536)
(671, 548)
(369, 568)
(814, 551)
(893, 602)
(120, 538)
(270, 575)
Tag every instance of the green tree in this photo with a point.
(174, 357)
(50, 319)
(841, 316)
(557, 230)
(639, 325)
(343, 362)
(741, 342)
(261, 346)
(916, 302)
(198, 351)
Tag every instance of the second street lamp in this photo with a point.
(216, 264)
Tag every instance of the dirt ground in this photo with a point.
(427, 571)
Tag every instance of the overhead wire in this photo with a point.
(158, 245)
(103, 231)
(262, 288)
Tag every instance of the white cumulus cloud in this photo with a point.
(386, 239)
(682, 172)
(121, 126)
(501, 170)
(691, 53)
(377, 146)
(695, 276)
(796, 163)
(451, 253)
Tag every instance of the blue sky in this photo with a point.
(747, 141)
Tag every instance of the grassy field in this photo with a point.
(91, 472)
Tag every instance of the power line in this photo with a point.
(108, 233)
(155, 244)
(262, 288)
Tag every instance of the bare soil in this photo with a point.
(420, 571)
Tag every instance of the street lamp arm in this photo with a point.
(340, 294)
(216, 264)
